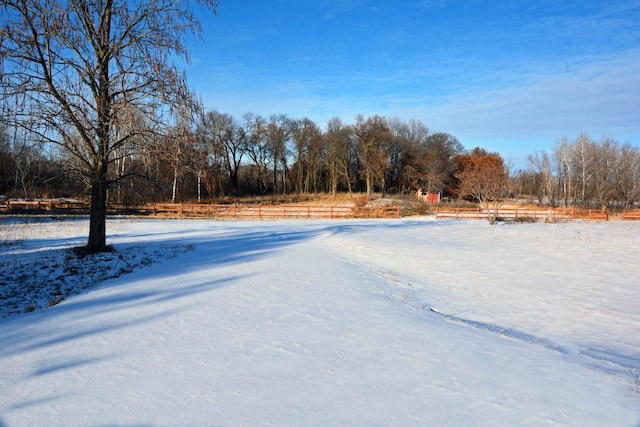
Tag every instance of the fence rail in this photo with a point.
(241, 211)
(200, 210)
(631, 214)
(43, 206)
(550, 215)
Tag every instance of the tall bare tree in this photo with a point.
(339, 142)
(440, 151)
(308, 151)
(82, 68)
(372, 136)
(629, 172)
(228, 140)
(278, 132)
(583, 151)
(257, 149)
(607, 177)
(541, 167)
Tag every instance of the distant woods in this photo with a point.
(584, 172)
(213, 156)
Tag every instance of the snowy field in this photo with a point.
(317, 323)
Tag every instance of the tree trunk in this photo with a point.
(199, 186)
(97, 222)
(235, 182)
(369, 181)
(174, 190)
(334, 182)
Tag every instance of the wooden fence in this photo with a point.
(200, 210)
(251, 211)
(259, 211)
(44, 206)
(515, 214)
(631, 214)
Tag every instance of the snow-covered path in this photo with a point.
(329, 323)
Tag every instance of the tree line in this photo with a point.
(213, 155)
(585, 172)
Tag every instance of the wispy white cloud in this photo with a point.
(601, 96)
(517, 73)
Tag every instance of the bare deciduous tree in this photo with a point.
(541, 167)
(257, 149)
(629, 172)
(339, 149)
(372, 135)
(278, 132)
(439, 153)
(227, 139)
(606, 167)
(308, 153)
(83, 68)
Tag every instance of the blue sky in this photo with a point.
(508, 76)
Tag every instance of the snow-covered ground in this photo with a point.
(349, 322)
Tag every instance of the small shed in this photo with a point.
(430, 198)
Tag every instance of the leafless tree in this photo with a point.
(228, 140)
(589, 172)
(181, 149)
(629, 172)
(406, 154)
(278, 132)
(541, 167)
(308, 154)
(257, 149)
(606, 171)
(583, 152)
(339, 140)
(372, 136)
(564, 162)
(439, 161)
(83, 68)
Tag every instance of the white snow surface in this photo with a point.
(346, 322)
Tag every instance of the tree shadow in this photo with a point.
(119, 305)
(235, 245)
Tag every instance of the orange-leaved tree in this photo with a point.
(485, 177)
